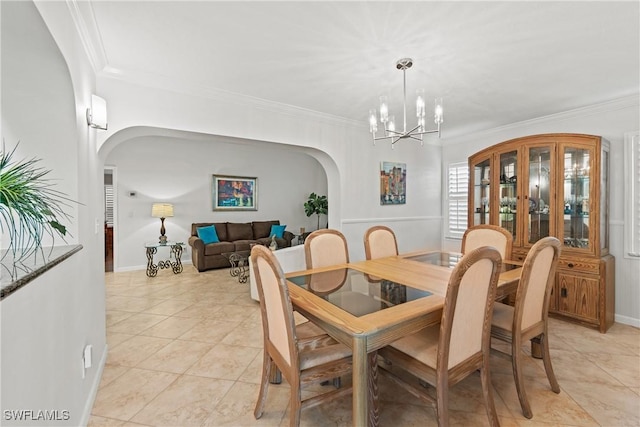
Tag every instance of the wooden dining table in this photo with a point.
(367, 305)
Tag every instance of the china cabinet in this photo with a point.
(553, 185)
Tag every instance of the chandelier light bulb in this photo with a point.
(438, 116)
(373, 121)
(420, 104)
(384, 109)
(391, 125)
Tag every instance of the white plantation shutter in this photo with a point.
(632, 191)
(108, 205)
(457, 199)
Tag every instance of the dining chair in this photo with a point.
(324, 248)
(443, 355)
(527, 319)
(304, 353)
(380, 242)
(488, 235)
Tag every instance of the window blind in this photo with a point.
(457, 198)
(108, 205)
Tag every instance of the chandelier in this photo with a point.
(388, 121)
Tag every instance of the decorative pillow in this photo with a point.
(208, 234)
(278, 230)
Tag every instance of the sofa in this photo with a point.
(233, 237)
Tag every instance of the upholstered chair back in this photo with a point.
(380, 242)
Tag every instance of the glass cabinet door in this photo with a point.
(508, 196)
(538, 201)
(577, 203)
(481, 193)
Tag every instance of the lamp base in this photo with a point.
(163, 240)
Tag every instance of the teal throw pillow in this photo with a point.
(278, 230)
(208, 234)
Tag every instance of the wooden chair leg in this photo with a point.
(264, 384)
(442, 405)
(487, 393)
(295, 405)
(546, 358)
(516, 361)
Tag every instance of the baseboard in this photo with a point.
(627, 320)
(86, 413)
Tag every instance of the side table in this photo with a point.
(176, 252)
(239, 261)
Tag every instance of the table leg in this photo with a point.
(152, 269)
(360, 382)
(177, 252)
(374, 412)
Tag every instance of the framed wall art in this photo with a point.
(235, 193)
(393, 183)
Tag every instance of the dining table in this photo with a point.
(367, 305)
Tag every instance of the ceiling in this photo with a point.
(494, 63)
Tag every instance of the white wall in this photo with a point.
(46, 85)
(343, 148)
(610, 120)
(179, 170)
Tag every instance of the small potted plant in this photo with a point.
(318, 205)
(29, 206)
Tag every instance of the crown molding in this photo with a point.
(631, 101)
(84, 19)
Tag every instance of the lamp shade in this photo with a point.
(162, 210)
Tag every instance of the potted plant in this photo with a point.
(29, 206)
(318, 205)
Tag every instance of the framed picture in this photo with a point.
(393, 183)
(235, 193)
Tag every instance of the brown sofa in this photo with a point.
(233, 237)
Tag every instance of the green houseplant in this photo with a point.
(29, 206)
(318, 205)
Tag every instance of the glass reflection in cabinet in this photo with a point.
(576, 197)
(539, 195)
(481, 181)
(508, 194)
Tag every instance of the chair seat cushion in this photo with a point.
(422, 346)
(502, 316)
(326, 349)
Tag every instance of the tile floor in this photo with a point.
(185, 350)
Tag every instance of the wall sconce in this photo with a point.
(97, 113)
(162, 211)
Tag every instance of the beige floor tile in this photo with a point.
(608, 405)
(135, 350)
(624, 368)
(575, 366)
(171, 327)
(169, 307)
(199, 310)
(129, 393)
(237, 406)
(210, 331)
(546, 405)
(231, 313)
(186, 402)
(111, 372)
(95, 421)
(133, 304)
(253, 373)
(224, 362)
(116, 338)
(176, 357)
(115, 316)
(137, 323)
(245, 334)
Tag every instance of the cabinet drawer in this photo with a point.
(582, 265)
